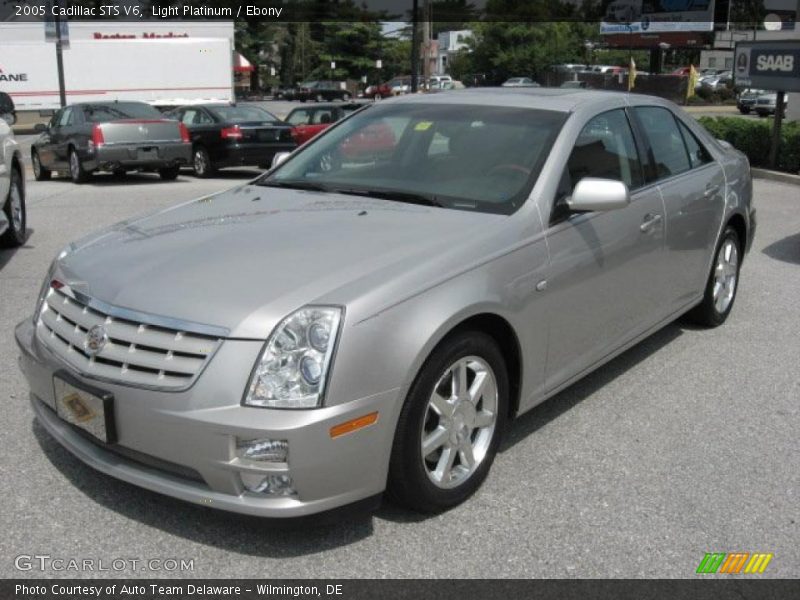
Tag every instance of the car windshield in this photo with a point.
(242, 114)
(99, 113)
(456, 156)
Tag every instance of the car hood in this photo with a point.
(246, 258)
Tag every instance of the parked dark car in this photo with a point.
(229, 135)
(321, 91)
(747, 100)
(110, 136)
(308, 121)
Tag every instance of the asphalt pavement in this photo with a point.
(686, 444)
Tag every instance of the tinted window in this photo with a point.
(469, 157)
(698, 155)
(299, 117)
(605, 149)
(99, 113)
(196, 116)
(66, 118)
(242, 114)
(666, 141)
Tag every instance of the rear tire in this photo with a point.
(345, 97)
(14, 209)
(76, 171)
(319, 98)
(169, 173)
(39, 172)
(201, 161)
(458, 420)
(723, 282)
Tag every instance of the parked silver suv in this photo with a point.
(12, 179)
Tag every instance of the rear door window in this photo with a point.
(299, 117)
(668, 150)
(698, 155)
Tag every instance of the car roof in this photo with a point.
(555, 99)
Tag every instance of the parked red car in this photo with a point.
(376, 139)
(308, 121)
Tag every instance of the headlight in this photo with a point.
(293, 366)
(43, 291)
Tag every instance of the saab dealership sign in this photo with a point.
(768, 65)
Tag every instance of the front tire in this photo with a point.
(76, 171)
(723, 282)
(451, 424)
(39, 172)
(14, 209)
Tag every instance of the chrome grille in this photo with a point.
(135, 353)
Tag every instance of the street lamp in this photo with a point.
(664, 47)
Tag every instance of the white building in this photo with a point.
(449, 43)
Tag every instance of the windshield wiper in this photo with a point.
(398, 195)
(296, 185)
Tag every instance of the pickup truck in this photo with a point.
(110, 136)
(12, 180)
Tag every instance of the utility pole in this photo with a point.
(414, 46)
(62, 93)
(426, 40)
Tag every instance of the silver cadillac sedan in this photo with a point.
(370, 315)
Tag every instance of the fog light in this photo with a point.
(273, 485)
(263, 450)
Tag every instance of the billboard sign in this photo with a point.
(768, 65)
(657, 16)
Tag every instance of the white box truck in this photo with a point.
(158, 71)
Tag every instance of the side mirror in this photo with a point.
(594, 194)
(40, 127)
(279, 158)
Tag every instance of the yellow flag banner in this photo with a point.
(692, 82)
(631, 75)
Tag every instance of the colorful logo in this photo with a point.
(734, 562)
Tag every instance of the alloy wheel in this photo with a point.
(459, 422)
(200, 162)
(74, 166)
(726, 275)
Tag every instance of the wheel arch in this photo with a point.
(16, 163)
(737, 221)
(490, 322)
(502, 332)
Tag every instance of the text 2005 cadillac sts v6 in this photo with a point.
(340, 327)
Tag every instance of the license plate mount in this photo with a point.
(85, 407)
(148, 154)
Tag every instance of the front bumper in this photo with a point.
(183, 444)
(110, 157)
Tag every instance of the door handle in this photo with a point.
(711, 190)
(649, 222)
